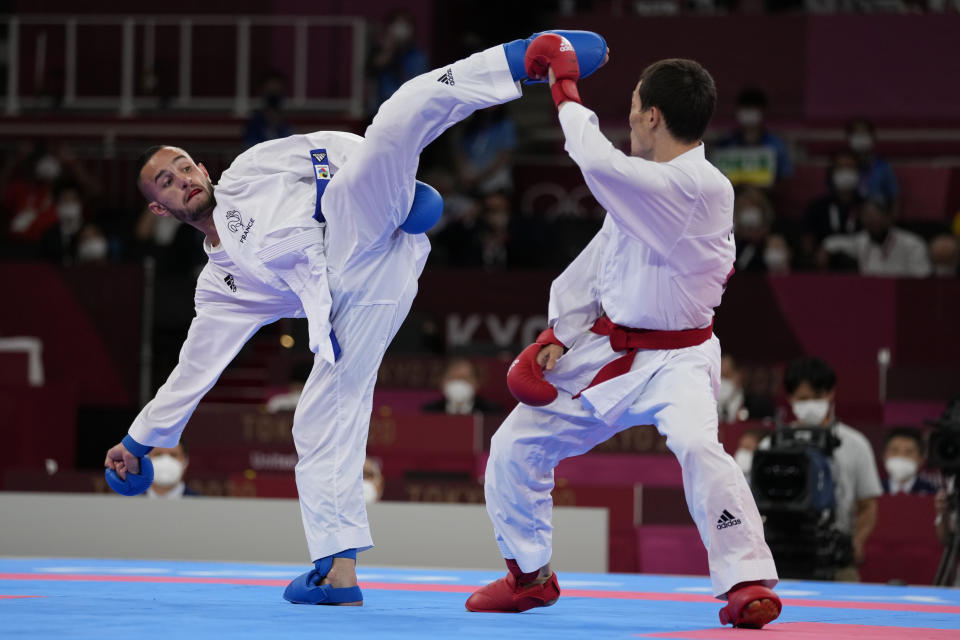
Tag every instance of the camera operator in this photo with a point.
(945, 456)
(810, 384)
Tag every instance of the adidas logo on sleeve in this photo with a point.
(447, 78)
(727, 520)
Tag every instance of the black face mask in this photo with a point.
(879, 237)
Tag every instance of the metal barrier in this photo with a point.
(52, 32)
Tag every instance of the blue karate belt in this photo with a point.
(321, 172)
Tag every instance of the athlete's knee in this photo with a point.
(689, 444)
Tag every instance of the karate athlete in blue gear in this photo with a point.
(329, 226)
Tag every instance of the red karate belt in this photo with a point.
(631, 340)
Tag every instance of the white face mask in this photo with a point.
(370, 493)
(861, 142)
(71, 216)
(458, 391)
(726, 391)
(811, 413)
(900, 469)
(744, 458)
(775, 258)
(167, 470)
(92, 249)
(845, 179)
(749, 117)
(47, 168)
(750, 217)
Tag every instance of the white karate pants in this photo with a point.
(678, 397)
(372, 269)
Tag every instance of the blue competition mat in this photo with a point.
(86, 598)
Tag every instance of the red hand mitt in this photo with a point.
(525, 377)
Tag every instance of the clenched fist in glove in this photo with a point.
(553, 51)
(525, 375)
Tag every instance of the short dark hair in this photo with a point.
(812, 370)
(866, 122)
(684, 93)
(906, 432)
(144, 158)
(752, 97)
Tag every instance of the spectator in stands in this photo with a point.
(396, 58)
(810, 384)
(882, 249)
(269, 122)
(169, 466)
(748, 443)
(373, 482)
(734, 404)
(751, 131)
(59, 243)
(836, 211)
(27, 185)
(877, 179)
(903, 457)
(945, 256)
(460, 383)
(484, 152)
(752, 218)
(92, 244)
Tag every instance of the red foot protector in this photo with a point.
(750, 607)
(525, 377)
(507, 596)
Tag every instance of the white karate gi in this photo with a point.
(660, 261)
(356, 274)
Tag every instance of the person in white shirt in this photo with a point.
(631, 341)
(315, 225)
(882, 249)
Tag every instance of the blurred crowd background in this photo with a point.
(837, 123)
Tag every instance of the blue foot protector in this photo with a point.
(591, 49)
(425, 211)
(306, 588)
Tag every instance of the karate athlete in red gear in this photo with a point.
(631, 340)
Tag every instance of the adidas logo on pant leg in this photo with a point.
(727, 520)
(447, 78)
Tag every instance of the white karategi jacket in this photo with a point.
(258, 274)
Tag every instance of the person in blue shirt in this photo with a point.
(877, 179)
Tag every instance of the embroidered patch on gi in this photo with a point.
(231, 283)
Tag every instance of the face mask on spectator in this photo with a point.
(750, 217)
(811, 413)
(861, 142)
(71, 216)
(167, 470)
(370, 493)
(458, 391)
(845, 179)
(749, 117)
(92, 249)
(775, 258)
(744, 458)
(900, 469)
(401, 31)
(726, 391)
(47, 168)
